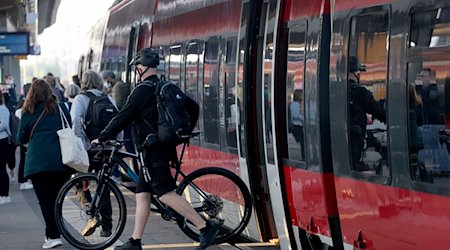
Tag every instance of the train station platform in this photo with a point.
(22, 227)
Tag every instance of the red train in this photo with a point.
(274, 83)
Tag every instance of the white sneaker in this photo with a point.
(26, 186)
(5, 199)
(51, 243)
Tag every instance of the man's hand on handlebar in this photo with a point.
(97, 142)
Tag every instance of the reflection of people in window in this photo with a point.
(415, 134)
(430, 96)
(297, 118)
(361, 103)
(231, 112)
(416, 120)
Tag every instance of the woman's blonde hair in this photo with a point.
(91, 80)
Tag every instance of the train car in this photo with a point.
(276, 93)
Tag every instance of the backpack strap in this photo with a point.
(150, 84)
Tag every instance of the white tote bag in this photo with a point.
(72, 149)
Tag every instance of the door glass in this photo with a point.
(210, 91)
(230, 86)
(367, 81)
(175, 64)
(295, 93)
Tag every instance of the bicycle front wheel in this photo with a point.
(220, 196)
(88, 216)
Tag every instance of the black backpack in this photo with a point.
(14, 127)
(99, 113)
(177, 113)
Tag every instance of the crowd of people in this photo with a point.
(38, 109)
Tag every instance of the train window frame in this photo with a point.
(302, 26)
(354, 14)
(424, 55)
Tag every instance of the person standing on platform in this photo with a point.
(8, 90)
(41, 119)
(25, 183)
(140, 110)
(4, 146)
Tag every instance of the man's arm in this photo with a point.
(374, 107)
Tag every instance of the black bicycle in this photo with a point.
(91, 211)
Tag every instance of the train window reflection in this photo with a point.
(230, 98)
(175, 64)
(367, 65)
(192, 70)
(429, 123)
(431, 28)
(210, 91)
(295, 93)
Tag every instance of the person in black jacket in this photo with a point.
(361, 103)
(140, 108)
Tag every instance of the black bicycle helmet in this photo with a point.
(147, 57)
(354, 65)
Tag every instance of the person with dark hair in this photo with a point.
(8, 90)
(54, 85)
(25, 183)
(140, 110)
(41, 118)
(120, 90)
(430, 97)
(76, 80)
(4, 146)
(361, 103)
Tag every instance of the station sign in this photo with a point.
(14, 43)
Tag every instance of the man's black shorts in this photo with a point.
(156, 160)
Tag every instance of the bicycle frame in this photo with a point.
(116, 157)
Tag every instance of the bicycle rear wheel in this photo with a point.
(82, 226)
(220, 196)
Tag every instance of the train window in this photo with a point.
(191, 75)
(210, 91)
(430, 28)
(429, 130)
(175, 64)
(230, 97)
(367, 81)
(428, 97)
(295, 93)
(162, 62)
(192, 70)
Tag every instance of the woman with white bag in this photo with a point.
(38, 127)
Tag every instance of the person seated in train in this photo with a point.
(297, 119)
(362, 102)
(430, 96)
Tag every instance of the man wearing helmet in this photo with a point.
(361, 103)
(140, 108)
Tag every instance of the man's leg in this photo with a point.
(179, 204)
(142, 214)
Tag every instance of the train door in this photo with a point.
(256, 123)
(361, 99)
